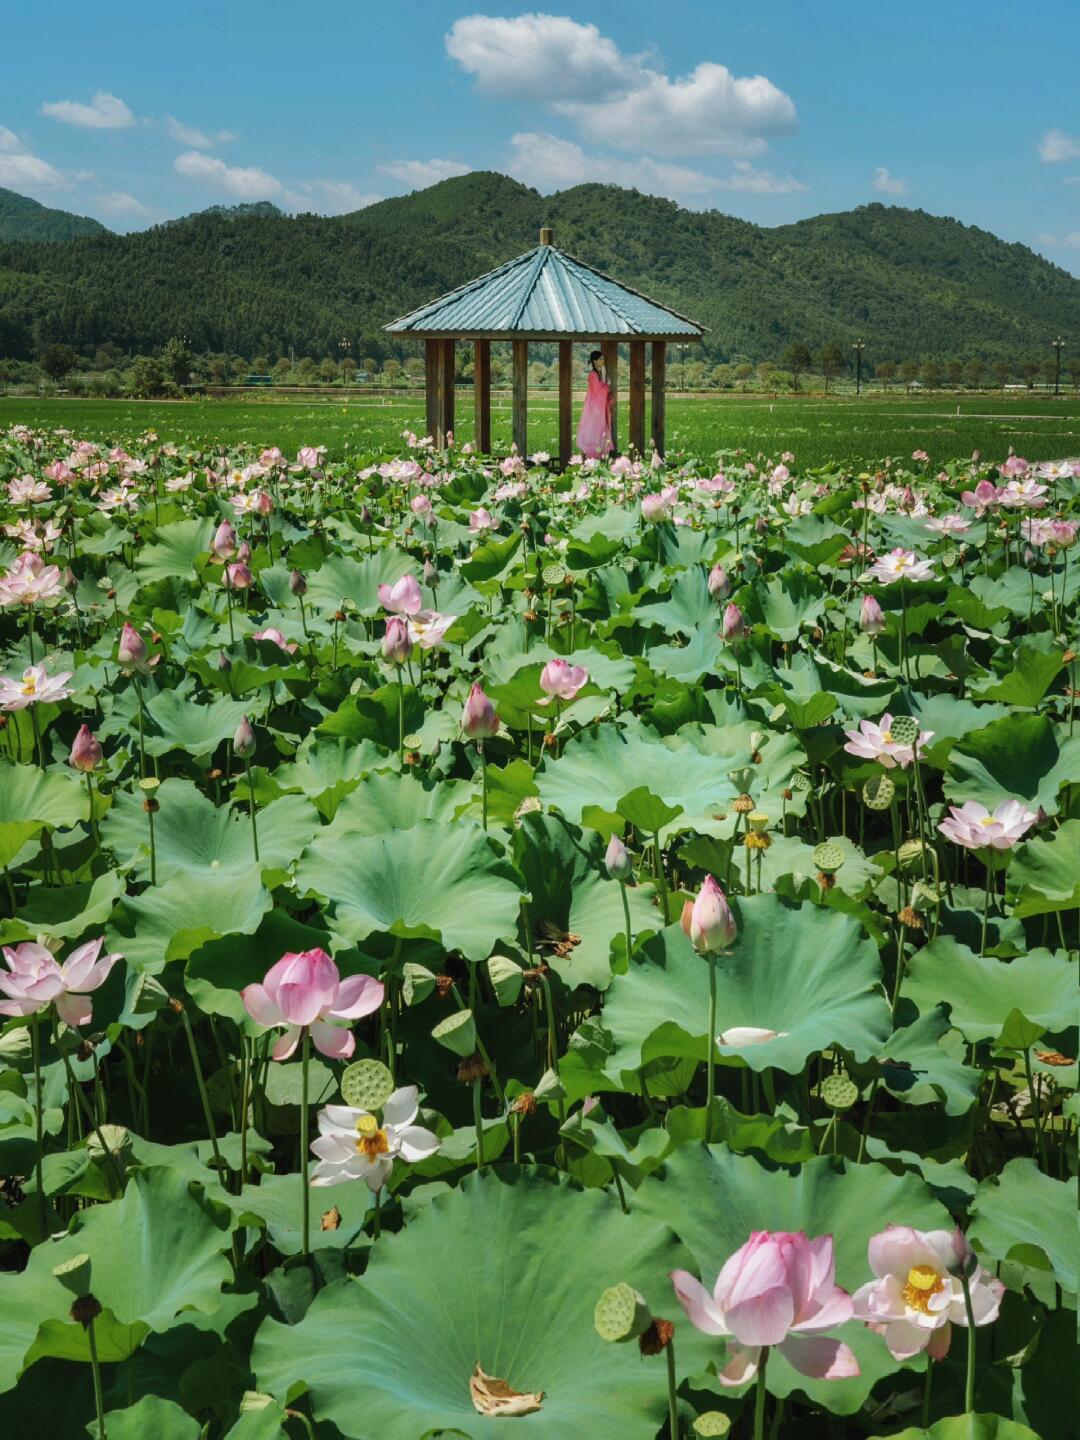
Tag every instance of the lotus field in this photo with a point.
(584, 954)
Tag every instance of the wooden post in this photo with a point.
(659, 381)
(445, 423)
(521, 396)
(482, 397)
(637, 397)
(611, 375)
(431, 384)
(566, 400)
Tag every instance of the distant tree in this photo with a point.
(764, 370)
(348, 370)
(1072, 369)
(830, 362)
(370, 365)
(885, 371)
(539, 374)
(261, 364)
(742, 373)
(107, 356)
(722, 376)
(931, 374)
(694, 374)
(328, 371)
(796, 358)
(414, 368)
(147, 377)
(974, 371)
(781, 380)
(1001, 373)
(58, 361)
(909, 372)
(954, 371)
(217, 369)
(1048, 369)
(391, 369)
(176, 361)
(282, 370)
(1028, 370)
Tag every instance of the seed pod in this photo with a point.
(621, 1314)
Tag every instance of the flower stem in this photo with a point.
(74, 1092)
(203, 1096)
(142, 751)
(986, 910)
(660, 878)
(672, 1387)
(927, 1383)
(93, 820)
(1036, 1114)
(710, 1058)
(483, 784)
(305, 1055)
(478, 1124)
(400, 718)
(251, 805)
(759, 1399)
(39, 1122)
(626, 916)
(969, 1381)
(95, 1365)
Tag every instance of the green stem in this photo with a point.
(93, 818)
(969, 1381)
(866, 1118)
(478, 1124)
(203, 1096)
(251, 805)
(661, 881)
(74, 1091)
(142, 751)
(1036, 1114)
(400, 718)
(245, 1101)
(376, 1219)
(305, 1054)
(483, 784)
(99, 1399)
(39, 1123)
(986, 910)
(927, 1383)
(759, 1399)
(710, 1058)
(626, 917)
(672, 1389)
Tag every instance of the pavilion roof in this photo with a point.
(545, 293)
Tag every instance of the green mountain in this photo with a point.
(252, 281)
(24, 219)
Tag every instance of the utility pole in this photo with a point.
(858, 347)
(1057, 346)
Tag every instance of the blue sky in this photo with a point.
(137, 113)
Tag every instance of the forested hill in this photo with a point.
(24, 219)
(255, 281)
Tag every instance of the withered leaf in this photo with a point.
(494, 1397)
(331, 1220)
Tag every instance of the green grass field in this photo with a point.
(815, 428)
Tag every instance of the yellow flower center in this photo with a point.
(923, 1282)
(371, 1140)
(988, 820)
(886, 735)
(29, 686)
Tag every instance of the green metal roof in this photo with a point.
(545, 292)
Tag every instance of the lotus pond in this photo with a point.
(487, 949)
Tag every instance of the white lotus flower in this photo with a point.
(354, 1144)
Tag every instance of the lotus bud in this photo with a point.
(223, 545)
(479, 720)
(238, 576)
(244, 553)
(734, 626)
(132, 648)
(964, 1260)
(297, 583)
(223, 664)
(85, 752)
(430, 574)
(712, 925)
(366, 518)
(263, 503)
(718, 583)
(396, 645)
(871, 616)
(244, 740)
(617, 860)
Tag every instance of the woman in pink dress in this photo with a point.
(594, 427)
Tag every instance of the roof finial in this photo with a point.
(547, 236)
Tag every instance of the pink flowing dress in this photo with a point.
(594, 427)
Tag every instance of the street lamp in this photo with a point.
(343, 346)
(1057, 346)
(858, 347)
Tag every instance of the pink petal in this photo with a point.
(21, 1007)
(763, 1319)
(259, 1005)
(74, 1009)
(897, 1248)
(742, 1365)
(332, 1040)
(905, 1340)
(286, 1043)
(938, 1345)
(99, 973)
(698, 1303)
(358, 995)
(80, 962)
(819, 1357)
(828, 1308)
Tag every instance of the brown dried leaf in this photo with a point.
(494, 1397)
(331, 1220)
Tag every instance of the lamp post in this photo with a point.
(858, 347)
(1057, 346)
(343, 346)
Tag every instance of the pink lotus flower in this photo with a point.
(718, 584)
(131, 651)
(617, 860)
(276, 638)
(1014, 465)
(733, 628)
(35, 981)
(480, 521)
(711, 924)
(396, 645)
(27, 490)
(223, 544)
(238, 576)
(403, 597)
(478, 719)
(900, 564)
(36, 687)
(919, 455)
(972, 825)
(85, 751)
(982, 498)
(305, 992)
(30, 580)
(875, 742)
(871, 616)
(310, 456)
(948, 525)
(654, 508)
(560, 681)
(739, 1036)
(427, 628)
(779, 1289)
(917, 1296)
(354, 1144)
(421, 507)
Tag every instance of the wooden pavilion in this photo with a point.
(545, 295)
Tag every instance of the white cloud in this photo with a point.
(20, 170)
(618, 100)
(759, 182)
(1044, 237)
(540, 57)
(1073, 180)
(328, 197)
(888, 183)
(195, 138)
(550, 163)
(1069, 241)
(119, 202)
(1056, 146)
(248, 183)
(105, 112)
(421, 173)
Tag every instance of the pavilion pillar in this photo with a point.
(431, 384)
(444, 420)
(566, 401)
(482, 396)
(637, 397)
(521, 396)
(659, 394)
(611, 375)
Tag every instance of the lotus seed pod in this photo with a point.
(366, 1085)
(799, 781)
(712, 1425)
(507, 978)
(413, 742)
(74, 1274)
(758, 821)
(553, 575)
(457, 1033)
(910, 851)
(621, 1314)
(878, 792)
(549, 1087)
(839, 1092)
(417, 982)
(828, 857)
(905, 729)
(116, 1137)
